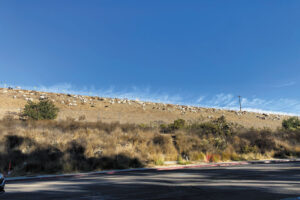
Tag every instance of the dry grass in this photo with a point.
(79, 146)
(68, 146)
(93, 109)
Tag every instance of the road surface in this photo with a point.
(255, 181)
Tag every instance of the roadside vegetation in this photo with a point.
(35, 146)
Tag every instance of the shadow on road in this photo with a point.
(275, 181)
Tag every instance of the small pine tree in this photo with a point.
(44, 109)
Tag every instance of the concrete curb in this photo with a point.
(221, 164)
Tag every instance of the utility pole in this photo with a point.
(240, 103)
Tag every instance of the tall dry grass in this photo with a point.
(67, 146)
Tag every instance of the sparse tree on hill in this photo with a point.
(44, 109)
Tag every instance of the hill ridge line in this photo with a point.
(125, 110)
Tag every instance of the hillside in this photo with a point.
(85, 136)
(92, 109)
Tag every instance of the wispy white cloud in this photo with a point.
(223, 101)
(286, 84)
(200, 99)
(280, 106)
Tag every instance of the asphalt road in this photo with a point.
(256, 181)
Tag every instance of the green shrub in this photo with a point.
(218, 143)
(176, 125)
(292, 123)
(164, 128)
(42, 110)
(249, 149)
(265, 141)
(207, 128)
(223, 125)
(258, 141)
(218, 127)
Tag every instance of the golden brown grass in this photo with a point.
(108, 110)
(69, 145)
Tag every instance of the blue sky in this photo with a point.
(194, 52)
